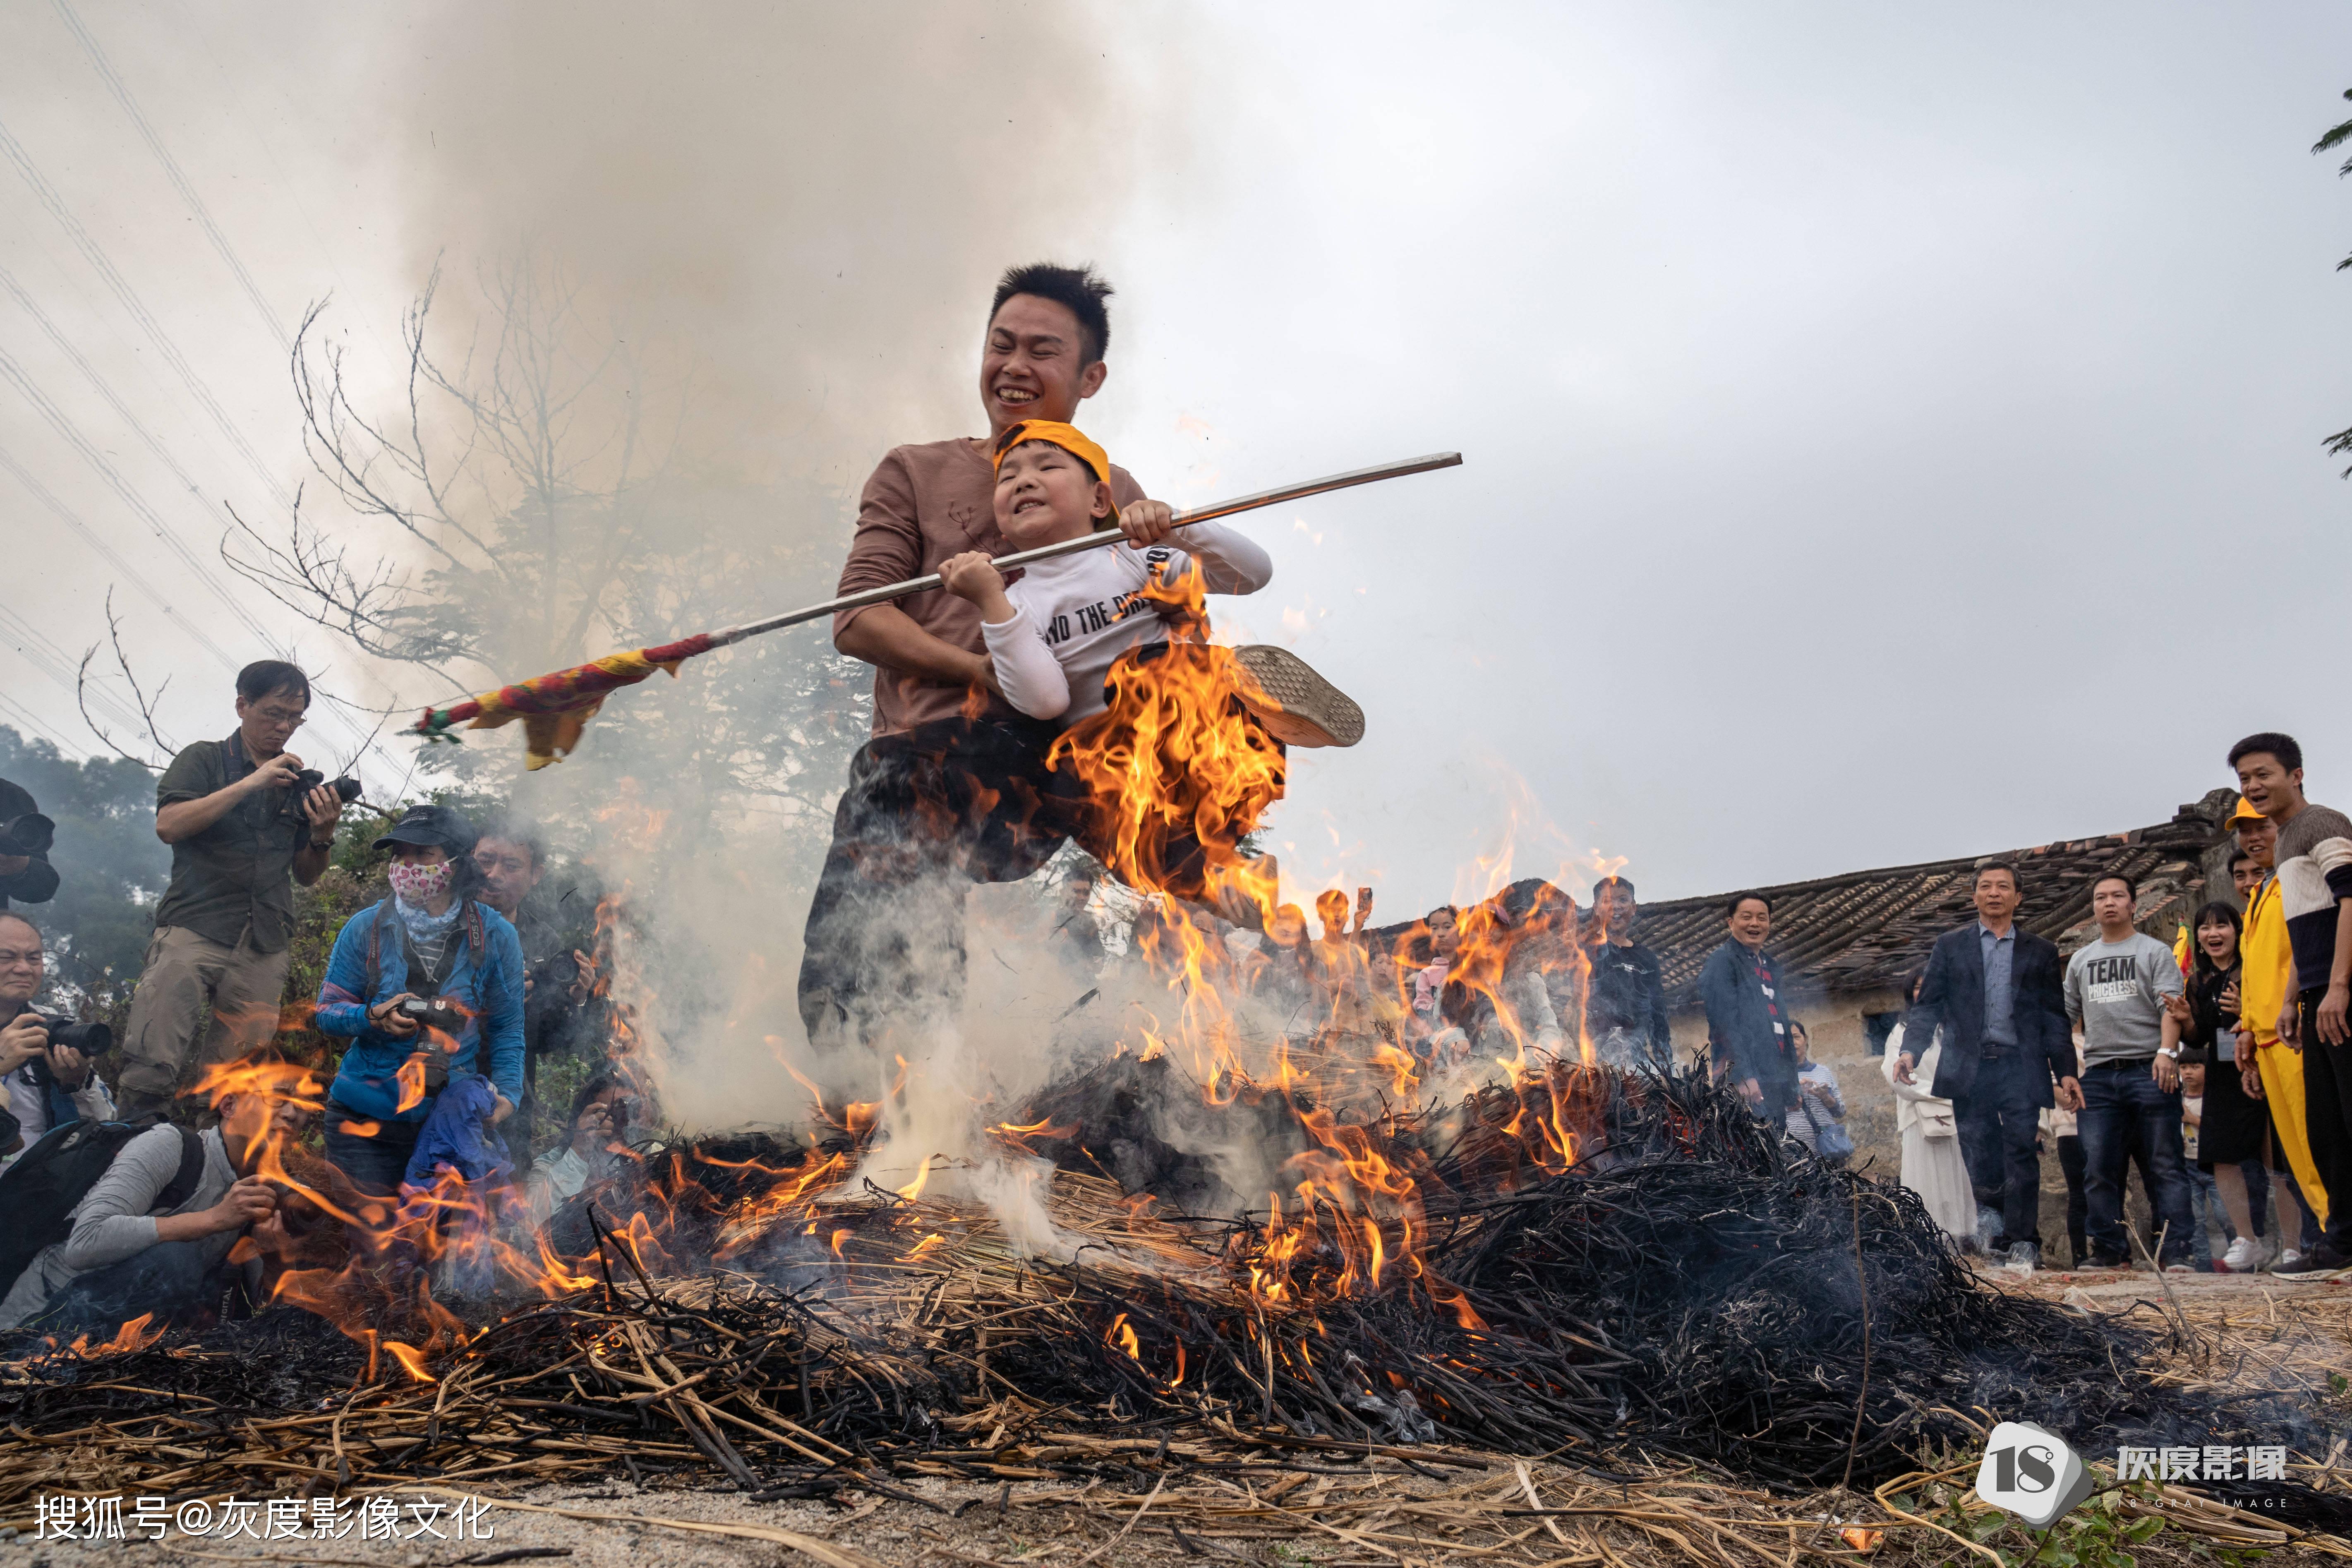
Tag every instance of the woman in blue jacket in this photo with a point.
(429, 941)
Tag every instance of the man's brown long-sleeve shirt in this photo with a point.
(923, 504)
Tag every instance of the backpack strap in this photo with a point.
(184, 1182)
(374, 955)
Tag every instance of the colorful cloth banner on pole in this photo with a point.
(554, 709)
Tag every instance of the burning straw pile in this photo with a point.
(735, 1310)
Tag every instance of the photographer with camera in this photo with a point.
(597, 1137)
(510, 860)
(246, 821)
(151, 1235)
(26, 874)
(48, 1064)
(429, 987)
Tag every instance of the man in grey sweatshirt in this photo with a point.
(2115, 989)
(125, 1257)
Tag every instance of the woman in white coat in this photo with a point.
(1933, 1165)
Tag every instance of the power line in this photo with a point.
(130, 302)
(31, 307)
(52, 661)
(171, 168)
(66, 515)
(70, 433)
(31, 725)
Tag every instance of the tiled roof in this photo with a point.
(1866, 929)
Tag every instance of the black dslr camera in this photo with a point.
(434, 1015)
(31, 833)
(92, 1039)
(310, 779)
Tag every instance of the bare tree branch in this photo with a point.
(146, 706)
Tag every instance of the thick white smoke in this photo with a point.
(730, 254)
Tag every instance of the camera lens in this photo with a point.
(92, 1039)
(31, 833)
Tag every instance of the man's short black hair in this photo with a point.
(2240, 858)
(2283, 747)
(2008, 866)
(2130, 883)
(1077, 288)
(513, 830)
(22, 919)
(1731, 905)
(267, 677)
(1607, 883)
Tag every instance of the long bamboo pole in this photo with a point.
(1095, 540)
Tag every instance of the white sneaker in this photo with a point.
(2245, 1256)
(2290, 1261)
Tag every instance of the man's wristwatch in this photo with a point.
(2171, 1055)
(322, 844)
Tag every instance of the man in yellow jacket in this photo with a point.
(2267, 979)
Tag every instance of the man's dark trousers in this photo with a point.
(2078, 1202)
(2327, 1119)
(2121, 1103)
(1998, 1125)
(928, 813)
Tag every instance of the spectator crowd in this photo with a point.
(2219, 1069)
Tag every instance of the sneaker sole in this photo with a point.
(1298, 707)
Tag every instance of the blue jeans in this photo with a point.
(2121, 1104)
(2204, 1210)
(374, 1164)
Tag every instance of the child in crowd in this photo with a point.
(1436, 1038)
(1108, 645)
(1819, 1106)
(2204, 1199)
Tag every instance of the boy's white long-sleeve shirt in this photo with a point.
(1073, 615)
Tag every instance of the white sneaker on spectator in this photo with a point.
(2245, 1256)
(2290, 1261)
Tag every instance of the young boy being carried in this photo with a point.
(1099, 643)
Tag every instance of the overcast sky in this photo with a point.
(1891, 432)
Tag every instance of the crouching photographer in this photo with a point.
(429, 987)
(49, 1065)
(606, 1116)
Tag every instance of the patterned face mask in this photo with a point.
(418, 884)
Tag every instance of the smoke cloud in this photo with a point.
(810, 201)
(701, 269)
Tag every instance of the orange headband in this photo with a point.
(1054, 432)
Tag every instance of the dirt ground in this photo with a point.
(1384, 1512)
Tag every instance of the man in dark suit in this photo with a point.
(1999, 994)
(1747, 1010)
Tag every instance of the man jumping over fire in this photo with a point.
(954, 787)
